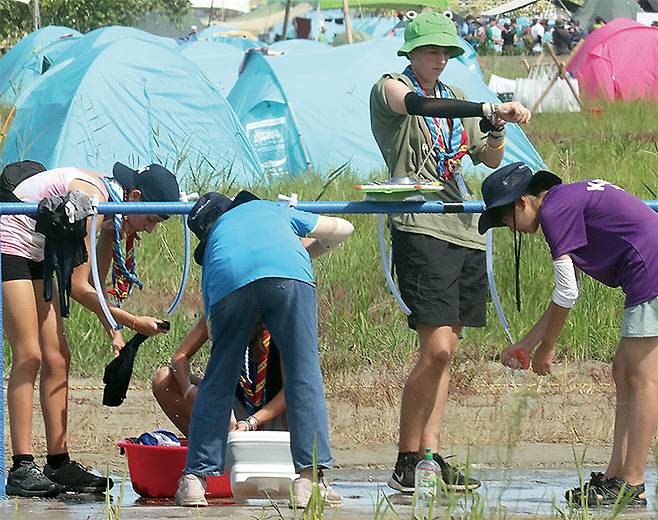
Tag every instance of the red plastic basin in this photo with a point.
(155, 470)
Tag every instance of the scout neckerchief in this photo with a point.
(123, 267)
(449, 138)
(255, 391)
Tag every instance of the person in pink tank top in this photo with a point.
(35, 329)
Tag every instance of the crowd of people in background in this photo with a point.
(523, 36)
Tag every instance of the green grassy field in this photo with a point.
(360, 325)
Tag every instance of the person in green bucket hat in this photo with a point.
(424, 128)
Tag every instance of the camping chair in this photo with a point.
(558, 71)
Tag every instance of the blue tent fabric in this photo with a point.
(24, 62)
(129, 100)
(324, 100)
(106, 35)
(218, 61)
(223, 34)
(297, 46)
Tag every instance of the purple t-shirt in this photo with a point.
(609, 234)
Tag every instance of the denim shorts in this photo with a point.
(641, 321)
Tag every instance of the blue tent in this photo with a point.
(226, 34)
(134, 101)
(113, 33)
(312, 110)
(218, 61)
(298, 47)
(30, 57)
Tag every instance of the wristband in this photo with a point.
(252, 423)
(187, 392)
(499, 147)
(497, 134)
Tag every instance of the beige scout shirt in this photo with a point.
(404, 142)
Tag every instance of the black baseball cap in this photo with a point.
(508, 184)
(206, 211)
(155, 182)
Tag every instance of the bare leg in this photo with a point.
(642, 374)
(54, 385)
(426, 390)
(21, 327)
(170, 398)
(621, 415)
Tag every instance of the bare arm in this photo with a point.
(180, 361)
(85, 294)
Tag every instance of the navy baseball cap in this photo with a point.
(155, 182)
(508, 184)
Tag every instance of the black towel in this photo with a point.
(119, 371)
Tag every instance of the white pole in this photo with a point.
(37, 16)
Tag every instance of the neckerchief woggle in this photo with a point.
(123, 268)
(449, 137)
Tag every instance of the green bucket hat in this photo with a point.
(431, 29)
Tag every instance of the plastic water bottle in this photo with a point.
(426, 484)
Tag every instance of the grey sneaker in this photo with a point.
(191, 491)
(28, 481)
(302, 489)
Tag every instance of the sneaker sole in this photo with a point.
(192, 503)
(394, 484)
(85, 490)
(461, 488)
(18, 492)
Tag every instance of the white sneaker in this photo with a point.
(302, 489)
(191, 491)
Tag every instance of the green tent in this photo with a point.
(606, 9)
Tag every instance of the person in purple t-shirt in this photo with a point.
(597, 228)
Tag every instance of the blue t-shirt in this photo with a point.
(258, 239)
(609, 234)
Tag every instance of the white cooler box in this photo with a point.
(260, 464)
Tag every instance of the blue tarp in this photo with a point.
(218, 61)
(129, 100)
(314, 108)
(26, 60)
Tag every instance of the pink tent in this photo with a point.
(618, 61)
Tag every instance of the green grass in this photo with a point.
(360, 325)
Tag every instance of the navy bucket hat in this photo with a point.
(508, 184)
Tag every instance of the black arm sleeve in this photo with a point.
(439, 107)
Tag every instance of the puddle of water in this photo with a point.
(517, 492)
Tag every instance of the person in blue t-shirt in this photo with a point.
(255, 268)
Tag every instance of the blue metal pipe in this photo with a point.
(330, 207)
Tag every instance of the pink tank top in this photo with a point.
(17, 234)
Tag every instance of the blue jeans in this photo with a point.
(288, 309)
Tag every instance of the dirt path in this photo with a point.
(492, 419)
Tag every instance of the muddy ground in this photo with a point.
(494, 418)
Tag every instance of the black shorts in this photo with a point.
(441, 283)
(19, 268)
